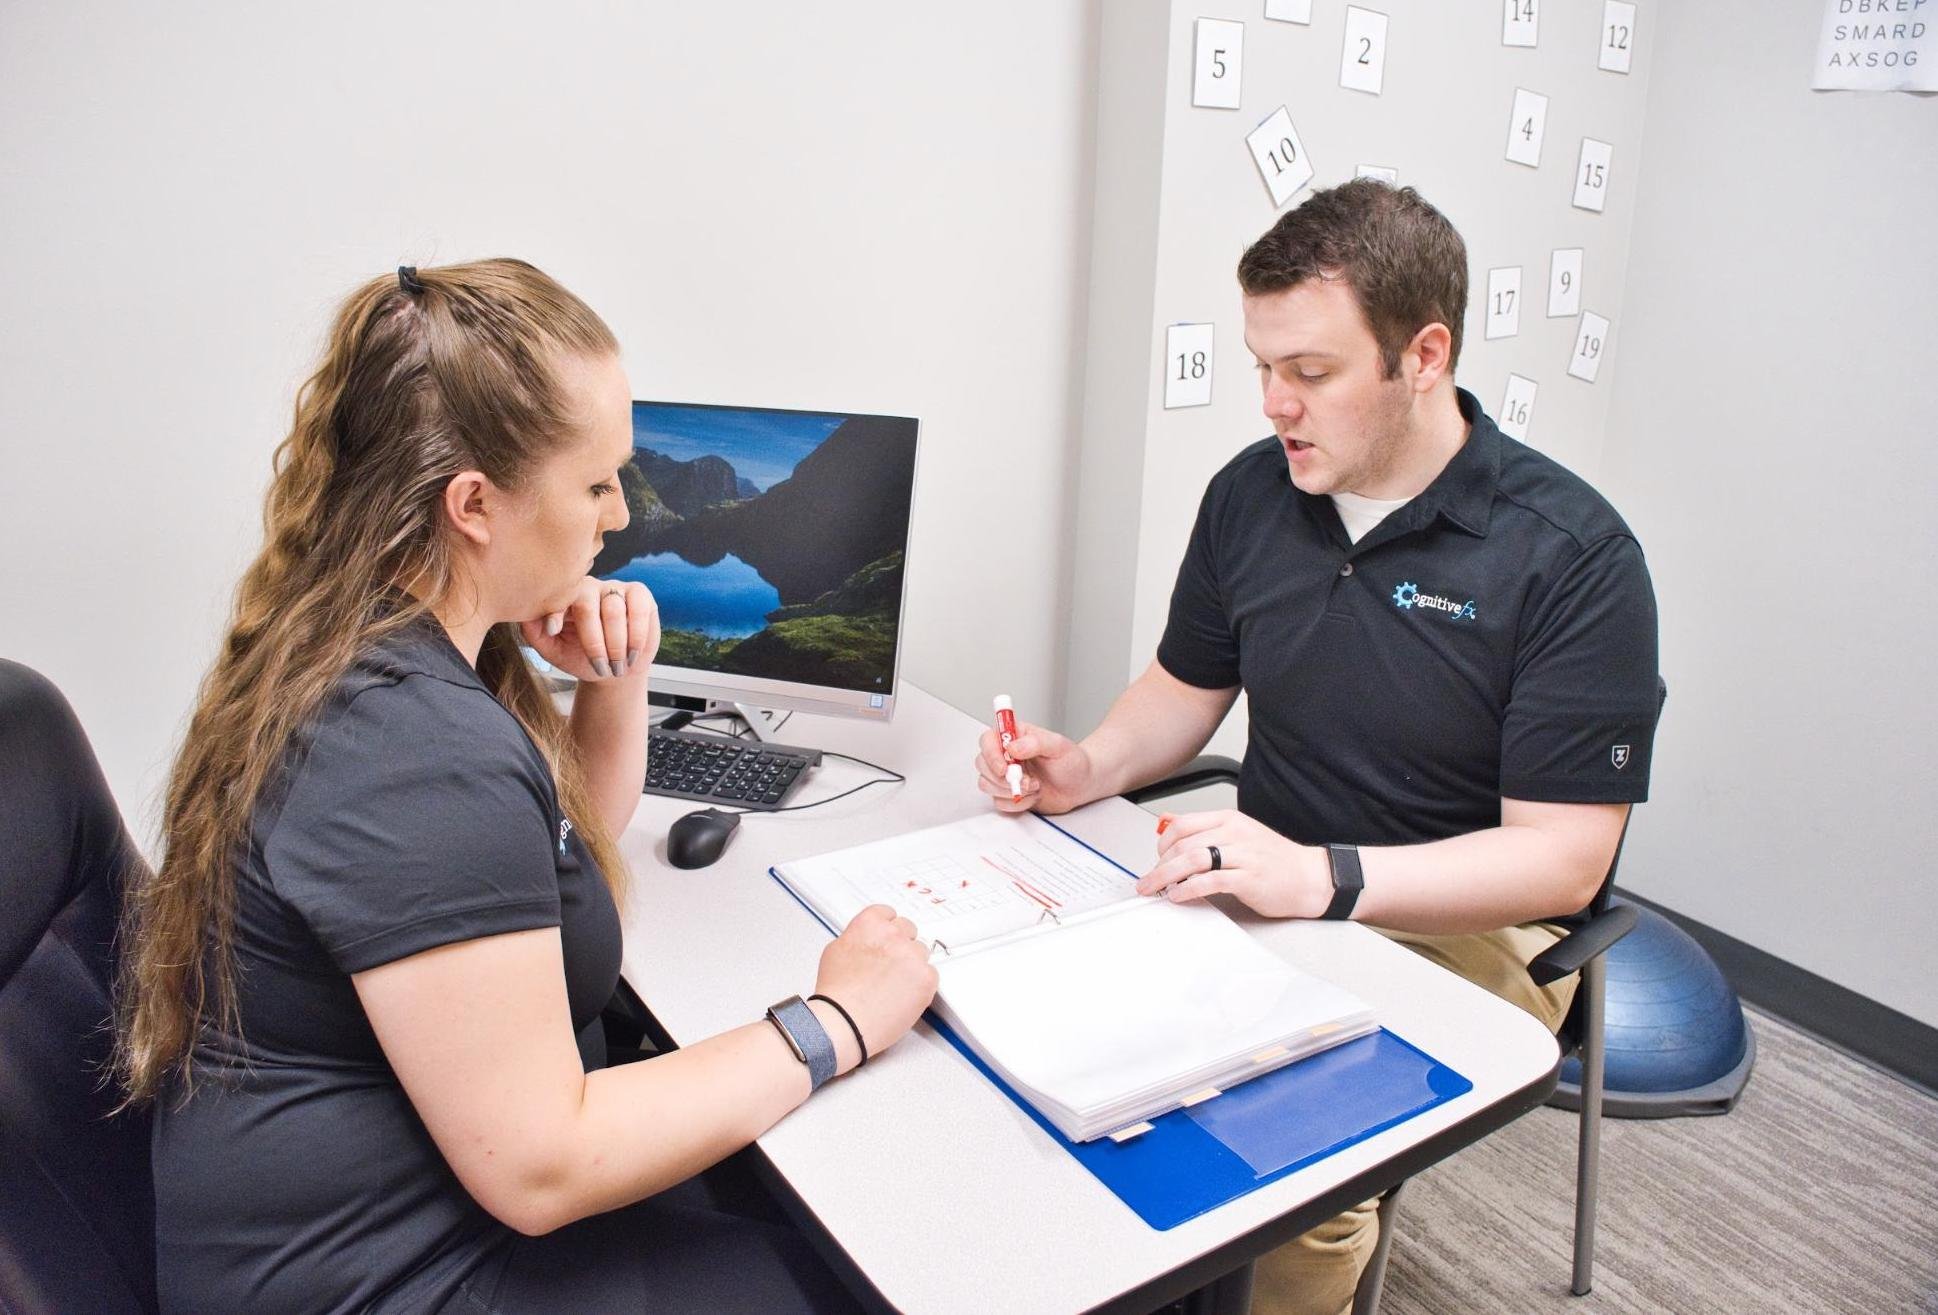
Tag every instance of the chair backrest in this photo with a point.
(77, 1199)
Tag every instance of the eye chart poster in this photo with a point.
(1877, 45)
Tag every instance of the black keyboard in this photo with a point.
(717, 770)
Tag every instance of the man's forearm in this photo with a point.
(1499, 877)
(1156, 726)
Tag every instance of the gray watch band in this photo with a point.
(805, 1037)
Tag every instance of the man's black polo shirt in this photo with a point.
(1494, 637)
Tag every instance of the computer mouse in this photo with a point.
(698, 838)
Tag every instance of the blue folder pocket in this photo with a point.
(1193, 1160)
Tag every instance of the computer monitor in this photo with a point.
(775, 543)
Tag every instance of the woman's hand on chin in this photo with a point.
(609, 631)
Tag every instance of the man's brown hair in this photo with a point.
(1404, 262)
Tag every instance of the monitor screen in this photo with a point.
(774, 543)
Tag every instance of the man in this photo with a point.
(1447, 642)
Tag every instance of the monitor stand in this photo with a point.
(760, 721)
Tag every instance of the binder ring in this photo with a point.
(1217, 859)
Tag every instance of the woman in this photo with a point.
(363, 988)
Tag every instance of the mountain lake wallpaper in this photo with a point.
(772, 540)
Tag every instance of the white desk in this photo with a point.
(938, 1189)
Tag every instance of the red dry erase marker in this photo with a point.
(1006, 732)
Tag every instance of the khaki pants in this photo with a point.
(1317, 1273)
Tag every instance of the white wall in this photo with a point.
(1442, 121)
(1771, 443)
(874, 207)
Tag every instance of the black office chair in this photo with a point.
(1581, 951)
(77, 1199)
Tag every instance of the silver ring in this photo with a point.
(611, 591)
(1217, 859)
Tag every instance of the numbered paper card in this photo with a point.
(1362, 64)
(1591, 178)
(1517, 407)
(1564, 282)
(1289, 11)
(1187, 365)
(1618, 35)
(1384, 173)
(1589, 340)
(1518, 23)
(1281, 157)
(1215, 70)
(1525, 127)
(1504, 301)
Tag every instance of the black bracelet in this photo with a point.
(850, 1018)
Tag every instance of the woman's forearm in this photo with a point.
(609, 725)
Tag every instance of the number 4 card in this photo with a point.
(1589, 340)
(1517, 407)
(1525, 127)
(1280, 156)
(1187, 365)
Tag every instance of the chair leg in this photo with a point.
(1594, 978)
(1373, 1282)
(1229, 1295)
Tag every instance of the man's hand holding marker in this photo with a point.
(1026, 768)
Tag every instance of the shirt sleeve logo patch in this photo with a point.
(565, 829)
(1618, 754)
(1408, 596)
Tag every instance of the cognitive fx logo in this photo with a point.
(1408, 596)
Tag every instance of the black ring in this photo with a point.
(1217, 859)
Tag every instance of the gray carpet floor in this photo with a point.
(1819, 1192)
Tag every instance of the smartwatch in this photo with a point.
(805, 1037)
(1347, 881)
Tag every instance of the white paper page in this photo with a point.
(966, 881)
(1122, 1004)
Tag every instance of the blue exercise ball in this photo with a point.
(1674, 1035)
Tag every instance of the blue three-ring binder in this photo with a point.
(1195, 1159)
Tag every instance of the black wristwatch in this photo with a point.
(1347, 881)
